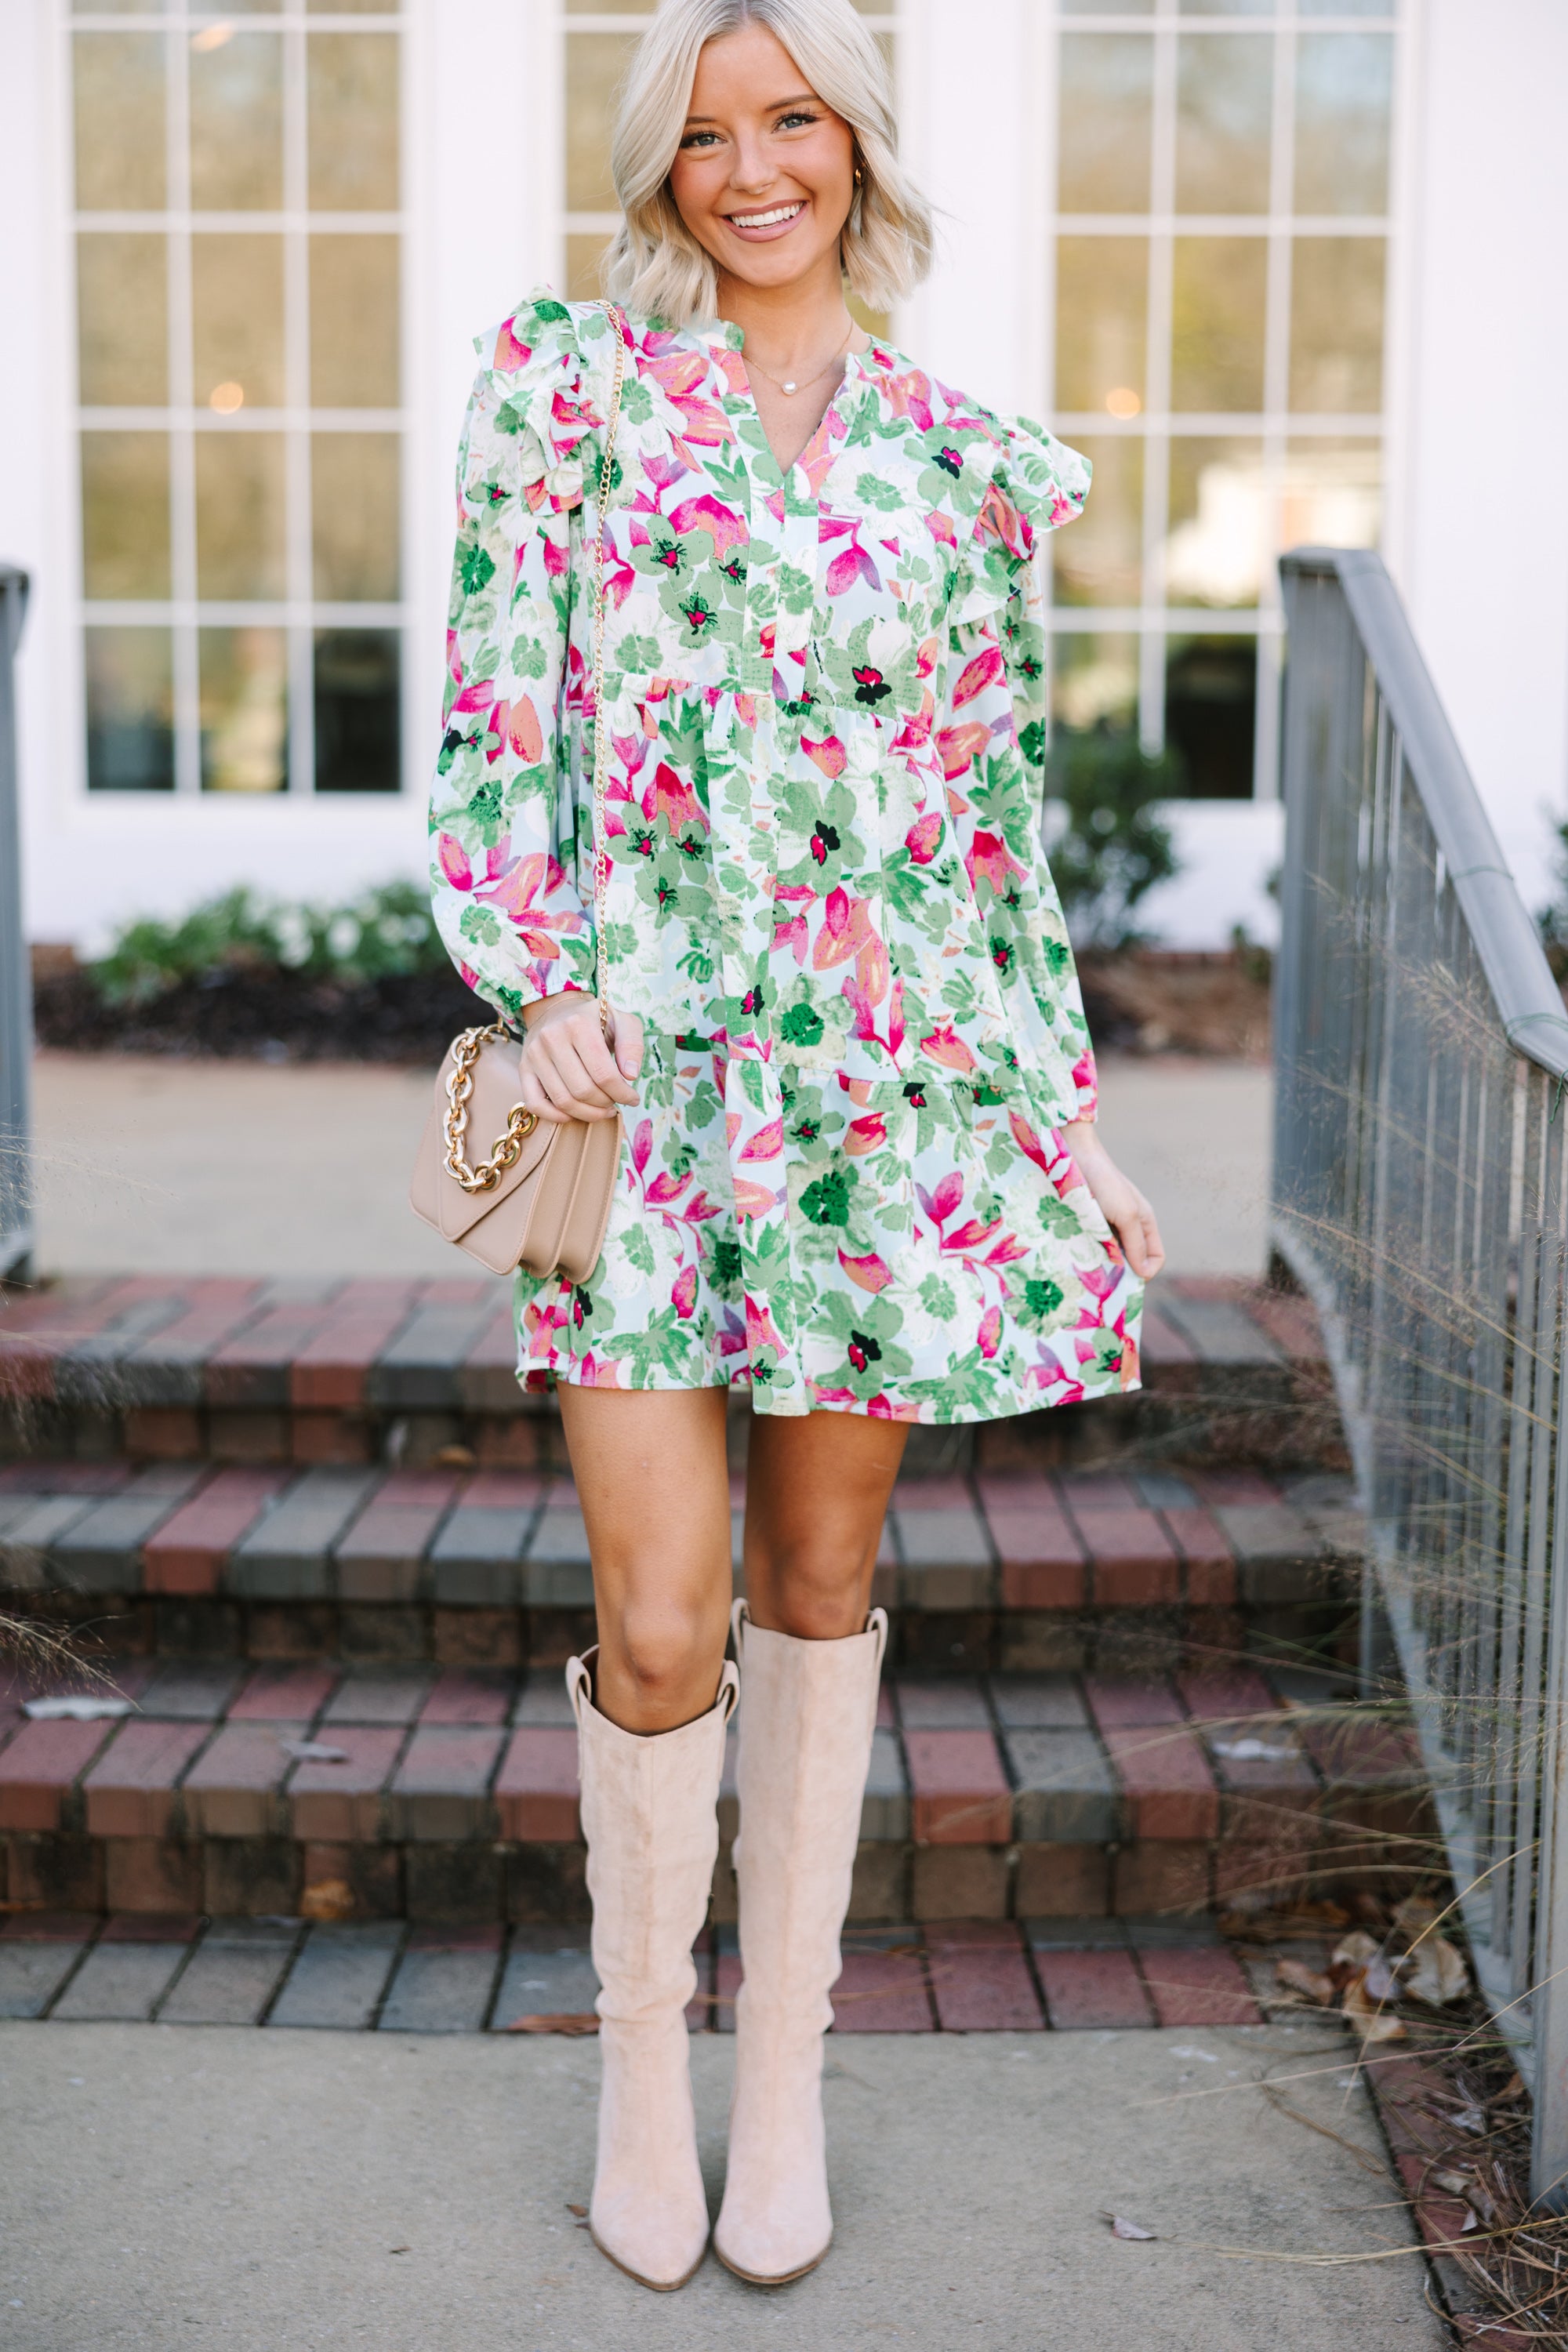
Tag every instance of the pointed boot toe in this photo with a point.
(657, 2241)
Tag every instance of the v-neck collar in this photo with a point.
(859, 376)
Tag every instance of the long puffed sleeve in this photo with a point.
(993, 753)
(504, 857)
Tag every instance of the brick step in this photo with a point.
(1014, 1570)
(347, 1373)
(964, 1976)
(455, 1797)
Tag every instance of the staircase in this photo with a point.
(323, 1515)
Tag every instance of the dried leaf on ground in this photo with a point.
(1121, 2228)
(330, 1899)
(1297, 1976)
(581, 2210)
(1380, 1980)
(567, 2022)
(1435, 1972)
(1354, 1950)
(1413, 1916)
(1370, 2020)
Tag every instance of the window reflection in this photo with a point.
(358, 715)
(1344, 88)
(118, 84)
(595, 63)
(125, 515)
(1221, 536)
(243, 709)
(354, 494)
(237, 123)
(236, 306)
(355, 322)
(1211, 713)
(1106, 101)
(1224, 103)
(1218, 288)
(1100, 560)
(1332, 494)
(1336, 324)
(1102, 293)
(129, 710)
(352, 112)
(239, 515)
(122, 319)
(1094, 677)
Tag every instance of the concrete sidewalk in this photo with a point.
(284, 2190)
(170, 1167)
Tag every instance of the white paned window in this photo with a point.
(238, 243)
(1220, 245)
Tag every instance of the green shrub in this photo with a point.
(1112, 846)
(1555, 919)
(387, 931)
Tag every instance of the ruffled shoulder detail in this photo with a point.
(1036, 485)
(535, 404)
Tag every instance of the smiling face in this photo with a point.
(764, 177)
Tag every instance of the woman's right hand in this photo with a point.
(568, 1070)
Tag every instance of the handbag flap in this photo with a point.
(437, 1194)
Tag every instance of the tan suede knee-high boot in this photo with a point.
(651, 1822)
(805, 1746)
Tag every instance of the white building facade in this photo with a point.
(1288, 269)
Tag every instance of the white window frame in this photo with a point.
(300, 613)
(1154, 620)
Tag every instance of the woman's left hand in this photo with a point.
(1125, 1210)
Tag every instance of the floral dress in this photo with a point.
(843, 1184)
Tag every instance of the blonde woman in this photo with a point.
(861, 1177)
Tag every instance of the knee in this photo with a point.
(664, 1648)
(811, 1597)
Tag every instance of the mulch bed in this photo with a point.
(269, 1016)
(1139, 1003)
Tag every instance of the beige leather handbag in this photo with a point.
(541, 1199)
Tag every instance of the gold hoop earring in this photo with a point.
(859, 175)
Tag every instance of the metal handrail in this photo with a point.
(1507, 941)
(15, 979)
(1420, 1196)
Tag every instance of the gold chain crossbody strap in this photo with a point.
(484, 1176)
(601, 732)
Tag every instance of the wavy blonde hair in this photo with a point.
(655, 266)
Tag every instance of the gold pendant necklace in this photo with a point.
(803, 384)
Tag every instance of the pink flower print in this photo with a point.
(939, 522)
(453, 860)
(976, 676)
(944, 1046)
(517, 893)
(870, 1272)
(939, 1205)
(683, 1296)
(679, 374)
(962, 746)
(754, 1199)
(509, 352)
(1086, 1080)
(1028, 1142)
(909, 395)
(864, 1135)
(999, 518)
(669, 796)
(760, 1333)
(854, 563)
(516, 724)
(830, 755)
(642, 1144)
(726, 528)
(990, 860)
(989, 1336)
(766, 1144)
(924, 836)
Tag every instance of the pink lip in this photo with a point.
(766, 236)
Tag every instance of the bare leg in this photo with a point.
(816, 1493)
(652, 1481)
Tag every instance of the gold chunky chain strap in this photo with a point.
(466, 1049)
